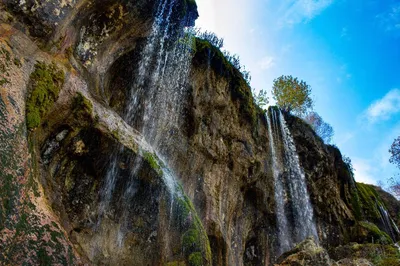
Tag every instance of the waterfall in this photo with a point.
(295, 217)
(283, 232)
(389, 225)
(153, 107)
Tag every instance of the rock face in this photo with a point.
(83, 183)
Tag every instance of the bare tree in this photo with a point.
(323, 129)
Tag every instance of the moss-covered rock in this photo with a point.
(369, 232)
(377, 254)
(46, 82)
(196, 259)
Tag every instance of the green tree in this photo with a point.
(323, 129)
(292, 95)
(260, 98)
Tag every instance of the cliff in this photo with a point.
(125, 140)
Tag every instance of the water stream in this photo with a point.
(295, 217)
(153, 107)
(284, 238)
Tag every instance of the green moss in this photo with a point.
(17, 62)
(375, 233)
(82, 106)
(43, 258)
(46, 81)
(6, 53)
(195, 238)
(191, 241)
(196, 259)
(175, 263)
(150, 158)
(369, 198)
(4, 81)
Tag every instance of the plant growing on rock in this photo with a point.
(46, 81)
(292, 95)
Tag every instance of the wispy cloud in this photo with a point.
(364, 172)
(266, 62)
(343, 139)
(385, 108)
(390, 20)
(344, 32)
(299, 11)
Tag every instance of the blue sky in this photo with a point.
(348, 51)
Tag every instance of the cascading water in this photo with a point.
(283, 232)
(153, 107)
(290, 187)
(389, 226)
(300, 200)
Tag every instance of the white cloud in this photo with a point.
(266, 62)
(385, 108)
(363, 171)
(390, 20)
(299, 11)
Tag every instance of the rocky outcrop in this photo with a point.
(68, 68)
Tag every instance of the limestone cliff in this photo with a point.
(99, 167)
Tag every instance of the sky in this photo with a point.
(348, 51)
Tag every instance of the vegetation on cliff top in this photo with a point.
(207, 54)
(292, 95)
(46, 81)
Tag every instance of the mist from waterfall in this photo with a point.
(294, 212)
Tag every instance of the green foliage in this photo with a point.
(292, 95)
(195, 259)
(47, 81)
(261, 98)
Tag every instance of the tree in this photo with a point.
(395, 152)
(260, 98)
(292, 95)
(323, 129)
(349, 164)
(395, 159)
